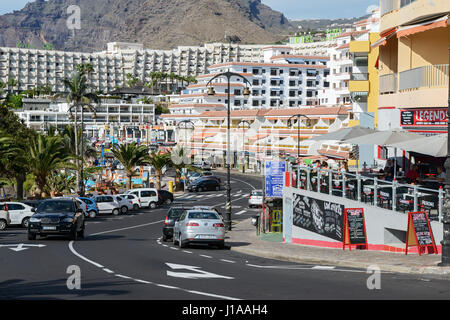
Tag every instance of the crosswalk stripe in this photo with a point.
(241, 212)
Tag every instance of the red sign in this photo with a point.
(424, 117)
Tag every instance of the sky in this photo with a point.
(292, 9)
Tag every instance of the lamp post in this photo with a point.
(290, 124)
(446, 219)
(211, 92)
(185, 122)
(71, 117)
(243, 141)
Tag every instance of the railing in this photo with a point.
(359, 77)
(388, 83)
(364, 188)
(404, 3)
(428, 76)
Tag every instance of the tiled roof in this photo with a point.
(211, 75)
(285, 56)
(274, 65)
(196, 105)
(308, 111)
(214, 84)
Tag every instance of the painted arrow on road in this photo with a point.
(195, 274)
(21, 246)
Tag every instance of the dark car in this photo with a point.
(204, 184)
(57, 217)
(165, 197)
(32, 203)
(212, 177)
(172, 216)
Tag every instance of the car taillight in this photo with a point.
(192, 224)
(166, 222)
(218, 225)
(86, 207)
(139, 201)
(250, 197)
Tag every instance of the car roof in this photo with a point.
(197, 210)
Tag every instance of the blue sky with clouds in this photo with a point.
(293, 9)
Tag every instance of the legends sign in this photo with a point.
(425, 117)
(318, 216)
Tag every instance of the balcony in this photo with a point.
(420, 87)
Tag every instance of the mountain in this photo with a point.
(159, 24)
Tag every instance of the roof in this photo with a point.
(211, 75)
(319, 110)
(286, 56)
(196, 105)
(234, 113)
(214, 84)
(274, 65)
(344, 46)
(277, 47)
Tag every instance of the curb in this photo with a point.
(360, 265)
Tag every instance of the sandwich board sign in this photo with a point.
(354, 228)
(419, 233)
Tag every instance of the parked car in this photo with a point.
(147, 197)
(31, 203)
(201, 185)
(255, 199)
(125, 204)
(169, 222)
(92, 207)
(19, 213)
(199, 226)
(206, 165)
(57, 217)
(133, 198)
(165, 197)
(107, 204)
(212, 177)
(207, 173)
(5, 219)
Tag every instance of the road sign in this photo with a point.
(274, 178)
(21, 246)
(194, 274)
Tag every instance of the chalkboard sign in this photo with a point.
(419, 233)
(354, 228)
(407, 118)
(318, 216)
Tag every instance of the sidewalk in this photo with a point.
(243, 239)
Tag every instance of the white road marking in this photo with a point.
(246, 183)
(195, 273)
(229, 261)
(166, 286)
(205, 256)
(122, 276)
(323, 267)
(142, 281)
(187, 251)
(174, 248)
(240, 212)
(83, 258)
(107, 270)
(122, 229)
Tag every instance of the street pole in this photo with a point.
(446, 219)
(82, 154)
(243, 141)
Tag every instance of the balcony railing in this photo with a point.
(360, 77)
(388, 83)
(429, 76)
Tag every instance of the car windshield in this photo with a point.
(56, 207)
(203, 215)
(175, 213)
(257, 193)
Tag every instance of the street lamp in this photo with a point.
(446, 220)
(185, 122)
(290, 124)
(246, 94)
(243, 141)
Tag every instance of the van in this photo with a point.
(147, 197)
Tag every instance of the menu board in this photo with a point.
(354, 227)
(318, 216)
(407, 118)
(419, 232)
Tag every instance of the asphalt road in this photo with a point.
(124, 258)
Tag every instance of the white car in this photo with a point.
(5, 219)
(133, 198)
(147, 197)
(255, 199)
(19, 213)
(125, 204)
(107, 204)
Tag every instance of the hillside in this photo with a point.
(159, 24)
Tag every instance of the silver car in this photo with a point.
(199, 226)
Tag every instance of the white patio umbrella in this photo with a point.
(386, 138)
(343, 134)
(435, 146)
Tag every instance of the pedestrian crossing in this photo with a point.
(235, 196)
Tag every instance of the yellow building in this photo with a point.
(414, 65)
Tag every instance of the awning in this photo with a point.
(421, 27)
(384, 37)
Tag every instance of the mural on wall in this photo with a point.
(318, 216)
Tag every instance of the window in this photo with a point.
(108, 199)
(15, 206)
(146, 194)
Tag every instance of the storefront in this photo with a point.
(426, 121)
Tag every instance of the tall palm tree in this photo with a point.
(79, 95)
(130, 156)
(47, 154)
(159, 160)
(180, 159)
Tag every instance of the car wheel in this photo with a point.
(221, 245)
(3, 224)
(135, 207)
(80, 233)
(152, 205)
(92, 214)
(181, 244)
(115, 212)
(200, 189)
(124, 210)
(31, 236)
(164, 238)
(25, 222)
(168, 201)
(174, 240)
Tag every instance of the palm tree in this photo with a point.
(12, 83)
(58, 183)
(159, 160)
(180, 160)
(130, 156)
(79, 95)
(46, 154)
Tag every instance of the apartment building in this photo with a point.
(414, 65)
(113, 118)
